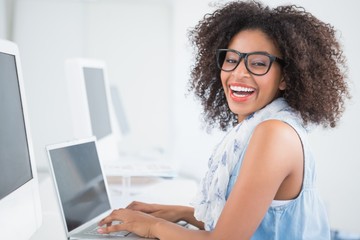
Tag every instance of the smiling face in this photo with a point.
(245, 92)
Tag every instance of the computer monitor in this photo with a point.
(91, 106)
(20, 211)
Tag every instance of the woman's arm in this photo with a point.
(272, 168)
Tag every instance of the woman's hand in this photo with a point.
(170, 213)
(132, 221)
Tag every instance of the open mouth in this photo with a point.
(241, 92)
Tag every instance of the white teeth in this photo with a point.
(241, 89)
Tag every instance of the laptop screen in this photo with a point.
(80, 183)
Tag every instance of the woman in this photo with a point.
(267, 75)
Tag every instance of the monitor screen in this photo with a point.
(19, 189)
(80, 182)
(15, 165)
(97, 102)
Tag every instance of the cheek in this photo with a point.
(274, 82)
(224, 76)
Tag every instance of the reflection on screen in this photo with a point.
(15, 166)
(80, 183)
(97, 100)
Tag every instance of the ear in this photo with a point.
(282, 85)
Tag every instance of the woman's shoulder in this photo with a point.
(276, 135)
(274, 128)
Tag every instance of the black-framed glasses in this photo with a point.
(257, 63)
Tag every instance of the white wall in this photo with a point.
(192, 145)
(3, 20)
(133, 37)
(6, 23)
(48, 31)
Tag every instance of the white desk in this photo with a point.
(152, 190)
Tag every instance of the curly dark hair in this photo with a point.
(315, 67)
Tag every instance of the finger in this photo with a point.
(112, 228)
(114, 216)
(105, 221)
(140, 206)
(135, 204)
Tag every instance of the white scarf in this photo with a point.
(210, 199)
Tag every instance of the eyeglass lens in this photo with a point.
(256, 63)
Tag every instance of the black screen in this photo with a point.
(15, 165)
(80, 183)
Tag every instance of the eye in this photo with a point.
(258, 64)
(231, 60)
(258, 61)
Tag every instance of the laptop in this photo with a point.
(81, 189)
